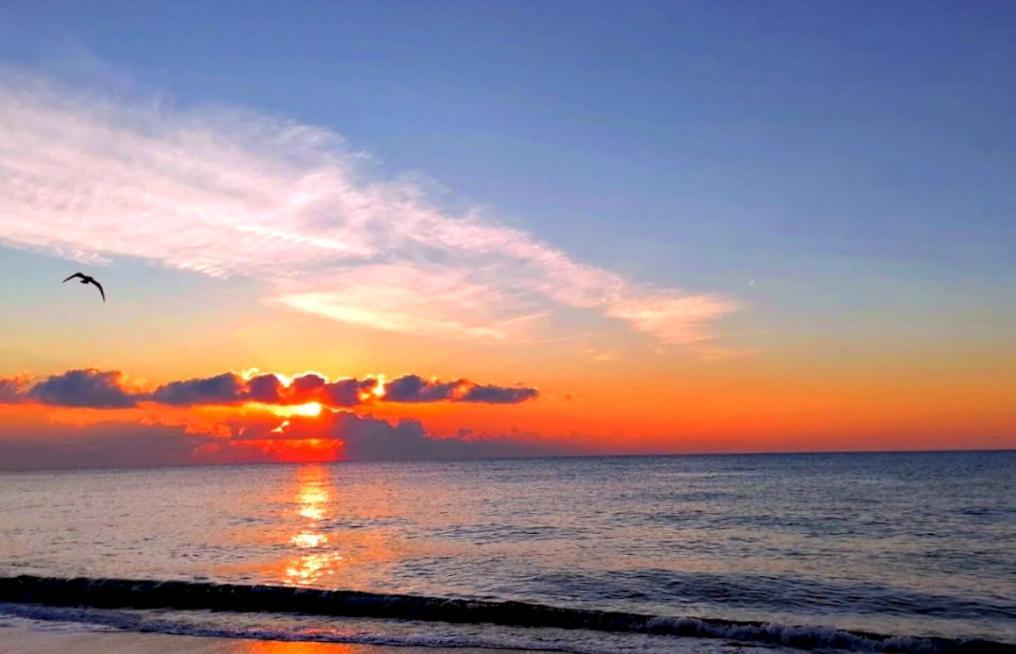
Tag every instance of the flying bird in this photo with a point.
(85, 279)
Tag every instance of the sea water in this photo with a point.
(859, 552)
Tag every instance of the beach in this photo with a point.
(39, 638)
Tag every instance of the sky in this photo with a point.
(464, 229)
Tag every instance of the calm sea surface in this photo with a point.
(895, 544)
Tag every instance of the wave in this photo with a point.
(185, 624)
(189, 595)
(747, 590)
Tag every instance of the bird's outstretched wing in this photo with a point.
(77, 274)
(101, 292)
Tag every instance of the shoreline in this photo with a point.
(33, 637)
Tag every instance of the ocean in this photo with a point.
(831, 552)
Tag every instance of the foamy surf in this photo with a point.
(127, 604)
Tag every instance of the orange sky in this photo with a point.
(226, 245)
(742, 404)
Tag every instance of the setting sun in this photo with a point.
(308, 410)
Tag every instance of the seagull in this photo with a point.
(85, 279)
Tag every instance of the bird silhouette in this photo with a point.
(85, 279)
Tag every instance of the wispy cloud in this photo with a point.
(236, 193)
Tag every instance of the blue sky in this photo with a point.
(728, 135)
(712, 143)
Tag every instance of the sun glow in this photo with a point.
(376, 392)
(308, 410)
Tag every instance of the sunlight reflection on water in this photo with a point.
(313, 499)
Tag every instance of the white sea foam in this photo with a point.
(38, 597)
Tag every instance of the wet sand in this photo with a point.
(26, 640)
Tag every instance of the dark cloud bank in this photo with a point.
(103, 445)
(107, 390)
(358, 438)
(83, 388)
(245, 438)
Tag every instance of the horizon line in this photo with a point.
(206, 464)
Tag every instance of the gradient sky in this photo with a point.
(649, 227)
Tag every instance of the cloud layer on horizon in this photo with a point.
(234, 193)
(334, 435)
(99, 389)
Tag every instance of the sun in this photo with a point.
(308, 410)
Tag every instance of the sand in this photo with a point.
(27, 640)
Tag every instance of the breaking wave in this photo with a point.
(187, 595)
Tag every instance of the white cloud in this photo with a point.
(235, 193)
